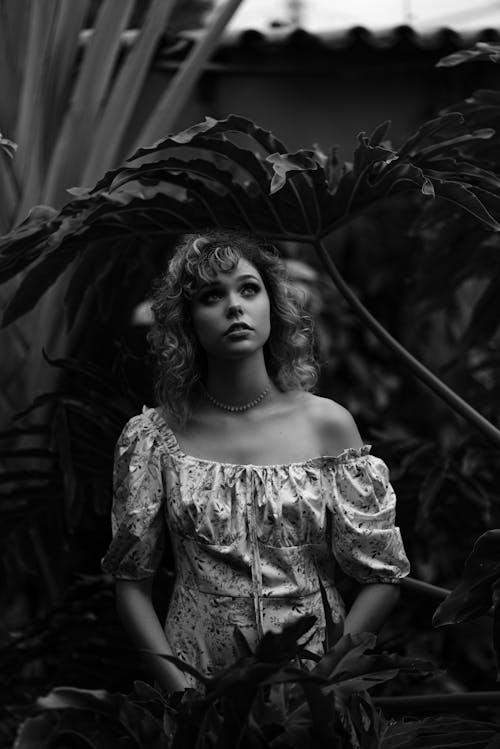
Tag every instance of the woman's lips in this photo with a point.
(238, 329)
(238, 333)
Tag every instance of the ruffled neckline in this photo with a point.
(346, 456)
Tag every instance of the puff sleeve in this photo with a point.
(137, 516)
(366, 542)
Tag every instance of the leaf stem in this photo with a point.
(435, 702)
(438, 387)
(413, 585)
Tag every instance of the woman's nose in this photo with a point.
(234, 308)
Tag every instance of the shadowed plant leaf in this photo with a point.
(139, 723)
(281, 646)
(36, 732)
(472, 597)
(440, 732)
(7, 146)
(232, 172)
(485, 320)
(364, 722)
(481, 51)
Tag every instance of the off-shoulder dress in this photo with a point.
(251, 543)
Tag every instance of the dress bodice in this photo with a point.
(250, 531)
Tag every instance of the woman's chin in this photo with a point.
(237, 349)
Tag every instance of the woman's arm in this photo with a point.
(375, 601)
(135, 609)
(371, 607)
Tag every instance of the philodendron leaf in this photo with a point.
(24, 244)
(233, 173)
(473, 596)
(287, 163)
(481, 51)
(282, 646)
(466, 198)
(440, 732)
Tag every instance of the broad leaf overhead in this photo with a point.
(233, 173)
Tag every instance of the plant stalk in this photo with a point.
(435, 702)
(426, 589)
(438, 387)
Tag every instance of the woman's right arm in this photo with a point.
(135, 609)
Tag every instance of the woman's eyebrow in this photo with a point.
(220, 282)
(245, 276)
(208, 285)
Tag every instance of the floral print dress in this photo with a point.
(251, 543)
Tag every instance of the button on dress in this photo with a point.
(252, 544)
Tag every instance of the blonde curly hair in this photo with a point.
(180, 359)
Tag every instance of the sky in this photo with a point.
(335, 15)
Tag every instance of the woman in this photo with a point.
(262, 485)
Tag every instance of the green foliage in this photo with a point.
(269, 698)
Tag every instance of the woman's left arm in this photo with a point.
(371, 608)
(375, 601)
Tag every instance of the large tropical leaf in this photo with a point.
(479, 589)
(232, 172)
(473, 596)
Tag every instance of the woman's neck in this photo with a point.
(237, 381)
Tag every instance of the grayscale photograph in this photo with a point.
(249, 374)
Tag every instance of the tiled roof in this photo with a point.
(256, 49)
(356, 35)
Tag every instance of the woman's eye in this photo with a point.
(250, 289)
(209, 297)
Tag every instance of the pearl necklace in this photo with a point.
(245, 407)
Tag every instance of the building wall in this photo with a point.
(328, 100)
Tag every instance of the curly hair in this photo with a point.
(180, 359)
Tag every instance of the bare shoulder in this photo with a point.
(335, 425)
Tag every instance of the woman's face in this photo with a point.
(231, 315)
